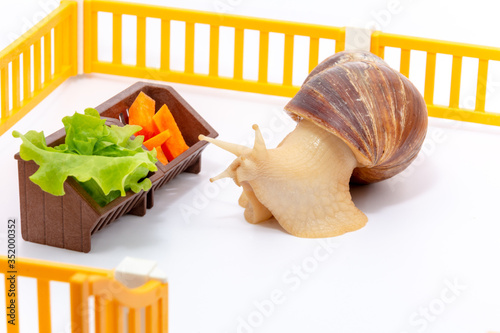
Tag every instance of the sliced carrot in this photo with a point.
(141, 113)
(162, 120)
(157, 140)
(161, 156)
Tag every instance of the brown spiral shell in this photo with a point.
(374, 109)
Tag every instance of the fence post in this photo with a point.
(87, 37)
(79, 293)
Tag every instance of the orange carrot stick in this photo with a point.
(141, 113)
(162, 120)
(161, 156)
(157, 140)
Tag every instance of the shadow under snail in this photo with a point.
(358, 120)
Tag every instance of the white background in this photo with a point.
(434, 226)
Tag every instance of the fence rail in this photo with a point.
(48, 56)
(114, 304)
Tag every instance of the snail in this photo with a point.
(358, 121)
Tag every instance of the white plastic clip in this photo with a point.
(133, 272)
(357, 39)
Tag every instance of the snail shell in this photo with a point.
(374, 109)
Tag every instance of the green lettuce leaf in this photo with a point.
(97, 194)
(104, 160)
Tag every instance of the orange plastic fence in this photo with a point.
(58, 31)
(114, 304)
(215, 21)
(458, 50)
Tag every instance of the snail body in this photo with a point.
(358, 120)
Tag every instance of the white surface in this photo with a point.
(432, 240)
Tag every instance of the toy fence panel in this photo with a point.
(459, 51)
(51, 41)
(115, 307)
(215, 21)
